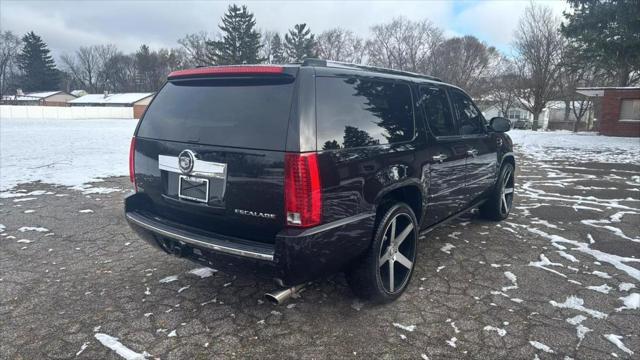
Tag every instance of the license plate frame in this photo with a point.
(197, 181)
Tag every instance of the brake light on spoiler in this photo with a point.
(228, 70)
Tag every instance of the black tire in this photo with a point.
(500, 201)
(369, 278)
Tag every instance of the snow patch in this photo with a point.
(452, 342)
(576, 303)
(626, 286)
(581, 330)
(203, 272)
(115, 345)
(601, 274)
(567, 256)
(447, 248)
(168, 279)
(501, 332)
(82, 348)
(631, 302)
(615, 339)
(33, 228)
(409, 328)
(514, 281)
(540, 346)
(544, 262)
(604, 288)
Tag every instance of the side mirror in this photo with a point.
(500, 124)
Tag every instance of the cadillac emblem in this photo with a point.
(186, 159)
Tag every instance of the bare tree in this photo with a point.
(88, 65)
(120, 73)
(502, 89)
(539, 45)
(265, 45)
(465, 62)
(403, 44)
(340, 45)
(196, 46)
(9, 48)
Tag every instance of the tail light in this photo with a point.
(303, 196)
(132, 163)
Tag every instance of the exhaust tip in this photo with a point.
(277, 297)
(271, 298)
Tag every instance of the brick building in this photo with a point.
(617, 110)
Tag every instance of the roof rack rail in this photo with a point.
(331, 63)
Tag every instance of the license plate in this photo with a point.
(192, 188)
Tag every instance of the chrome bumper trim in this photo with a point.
(199, 241)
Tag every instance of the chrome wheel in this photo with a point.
(506, 192)
(397, 253)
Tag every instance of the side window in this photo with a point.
(354, 112)
(469, 117)
(436, 107)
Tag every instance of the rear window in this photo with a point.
(241, 113)
(354, 112)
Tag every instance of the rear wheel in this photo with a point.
(384, 273)
(498, 205)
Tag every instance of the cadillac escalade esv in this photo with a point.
(304, 170)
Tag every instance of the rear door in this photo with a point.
(445, 156)
(230, 134)
(482, 148)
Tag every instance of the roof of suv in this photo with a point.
(374, 69)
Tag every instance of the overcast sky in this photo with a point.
(66, 25)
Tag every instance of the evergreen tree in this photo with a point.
(240, 43)
(606, 32)
(277, 51)
(37, 65)
(300, 43)
(354, 137)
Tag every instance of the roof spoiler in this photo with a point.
(227, 70)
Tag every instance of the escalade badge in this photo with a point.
(186, 159)
(255, 214)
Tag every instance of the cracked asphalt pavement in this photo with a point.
(555, 280)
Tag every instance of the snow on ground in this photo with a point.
(409, 328)
(586, 146)
(63, 152)
(115, 345)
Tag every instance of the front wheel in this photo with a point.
(384, 273)
(500, 201)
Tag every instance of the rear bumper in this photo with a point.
(296, 256)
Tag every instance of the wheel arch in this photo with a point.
(409, 193)
(507, 158)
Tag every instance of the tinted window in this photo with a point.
(470, 118)
(246, 114)
(436, 107)
(355, 112)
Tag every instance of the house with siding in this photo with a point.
(139, 101)
(42, 98)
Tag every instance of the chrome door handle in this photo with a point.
(440, 157)
(472, 152)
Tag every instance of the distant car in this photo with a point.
(523, 124)
(300, 171)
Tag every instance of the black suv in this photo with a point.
(299, 171)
